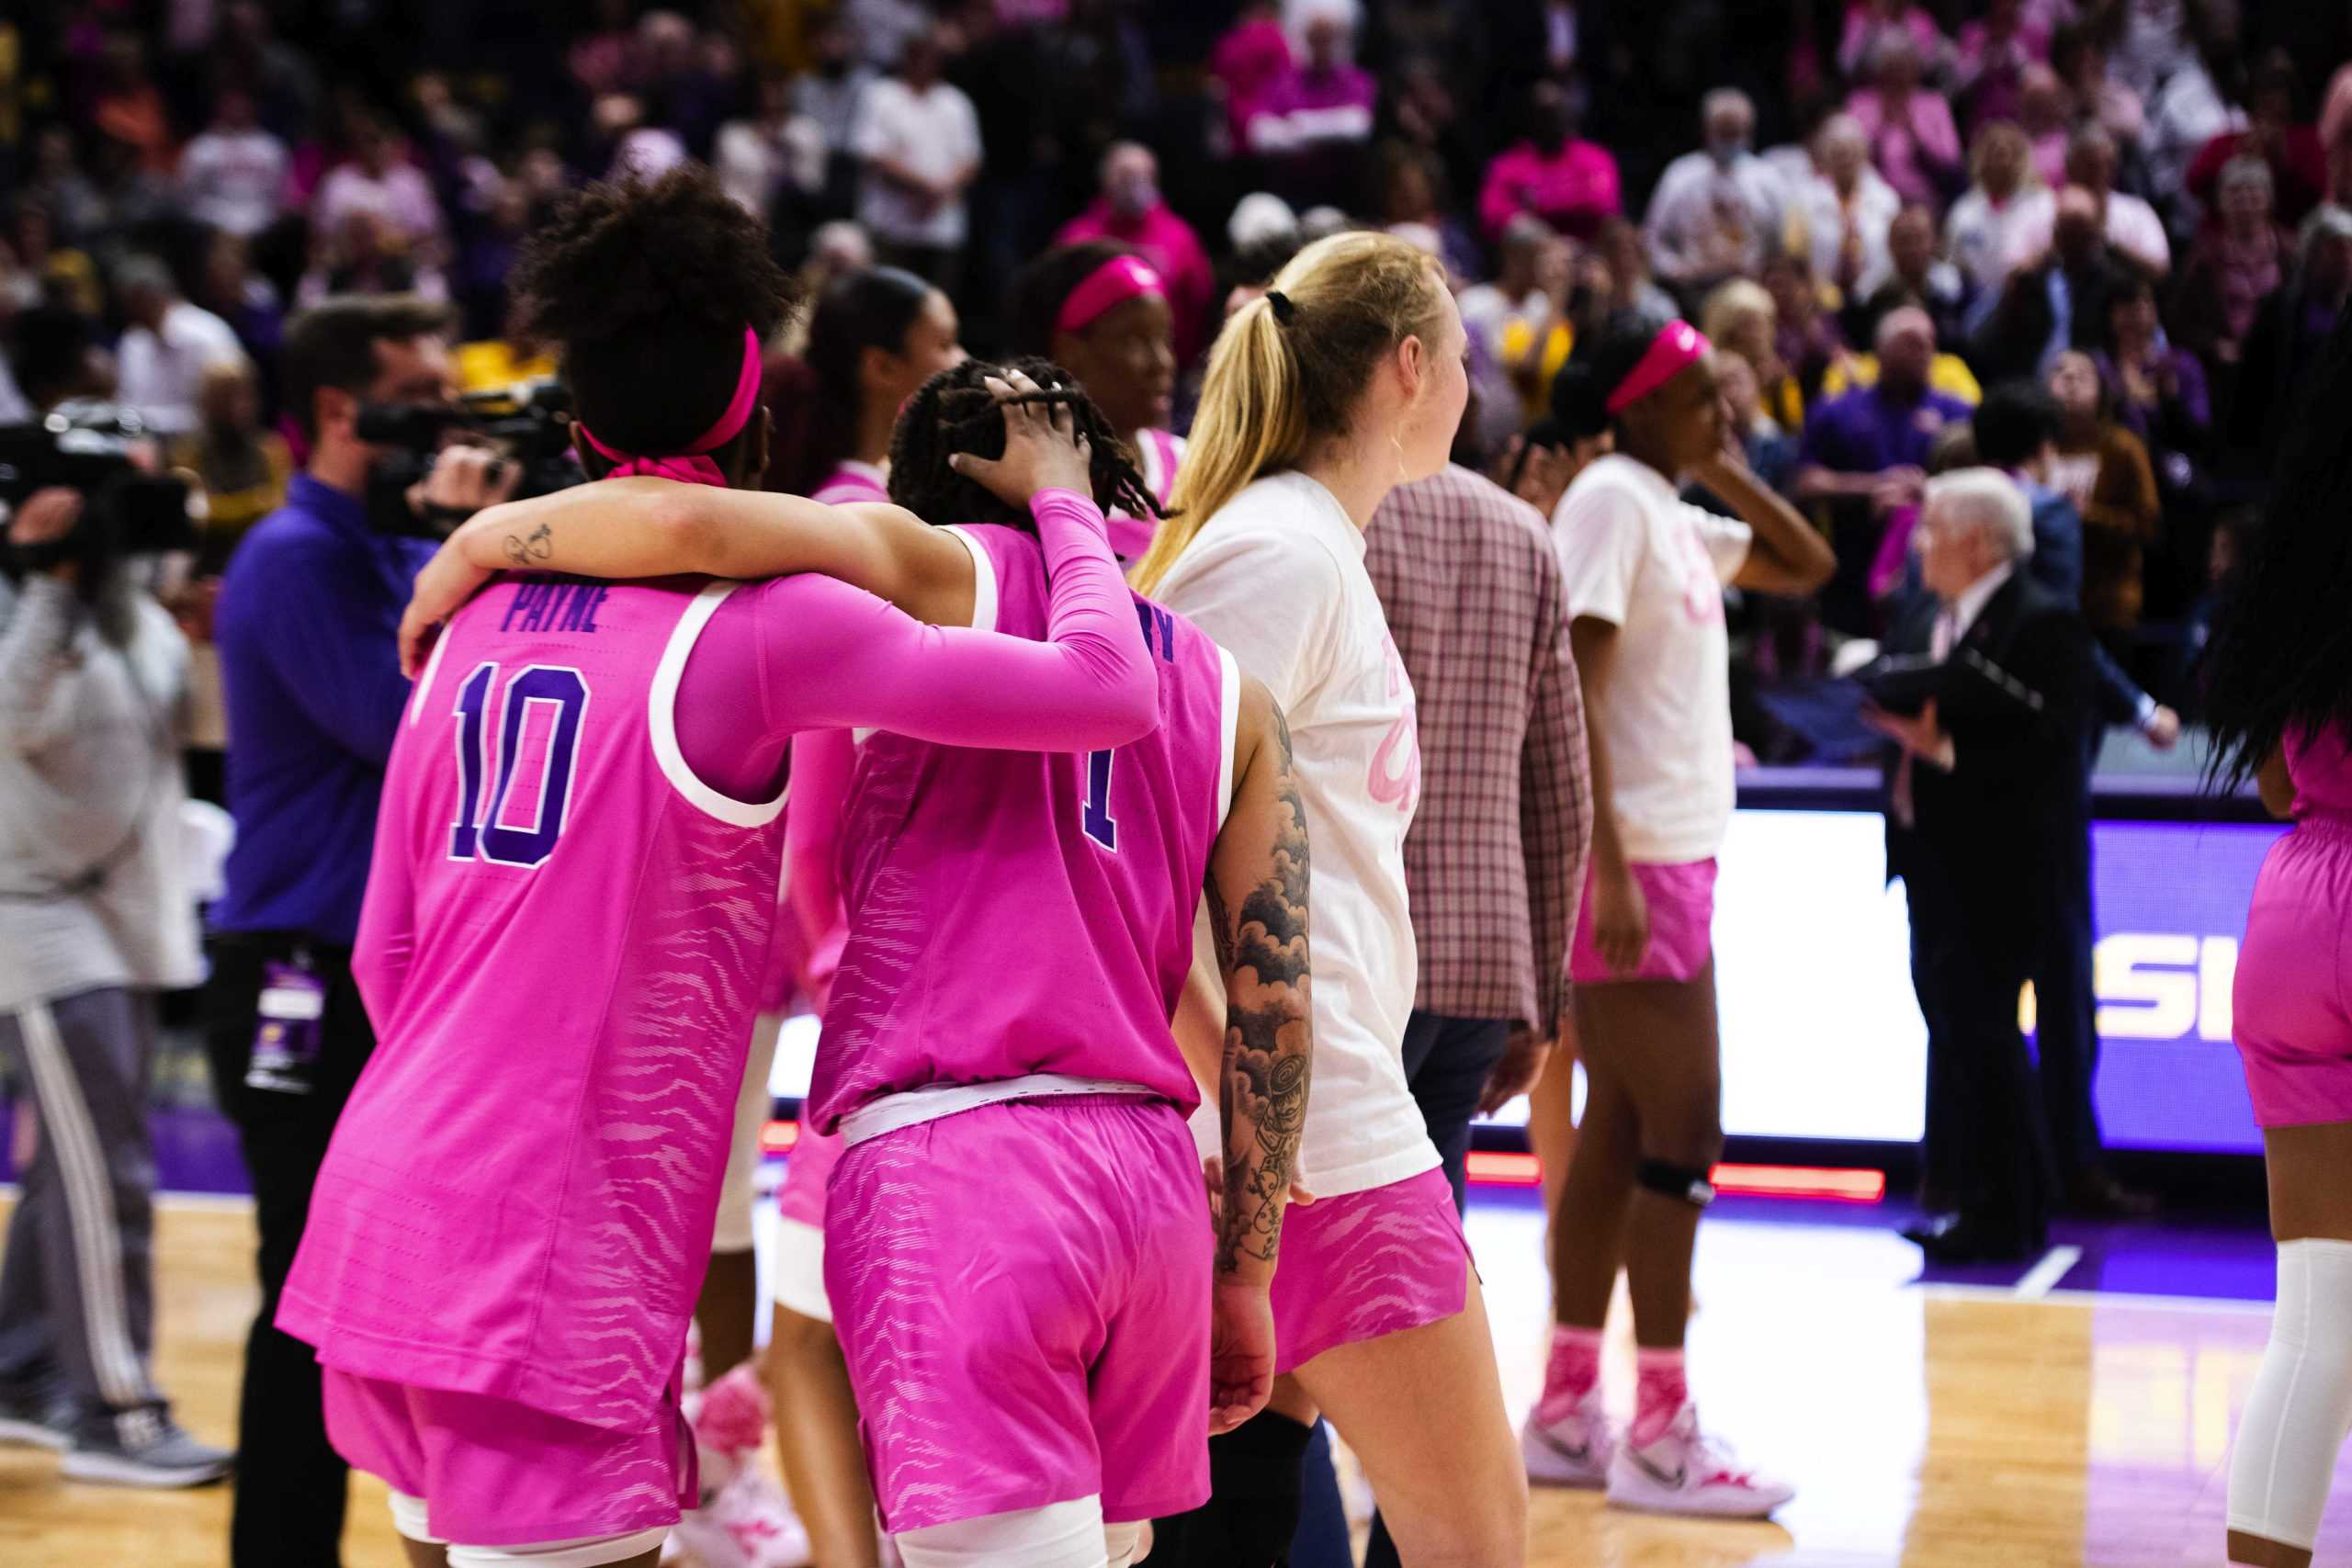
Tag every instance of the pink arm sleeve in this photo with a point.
(823, 761)
(823, 655)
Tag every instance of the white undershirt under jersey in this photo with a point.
(1278, 578)
(1637, 555)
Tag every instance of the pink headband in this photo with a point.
(1114, 283)
(1678, 346)
(691, 467)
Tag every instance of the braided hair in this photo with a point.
(954, 412)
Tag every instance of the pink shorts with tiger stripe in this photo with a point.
(493, 1472)
(1366, 1265)
(798, 1265)
(1682, 919)
(1021, 1291)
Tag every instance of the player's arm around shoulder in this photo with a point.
(642, 526)
(1256, 905)
(1256, 893)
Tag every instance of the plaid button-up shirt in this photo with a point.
(1495, 859)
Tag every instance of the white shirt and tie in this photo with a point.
(1961, 613)
(1952, 624)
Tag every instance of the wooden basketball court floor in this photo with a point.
(1990, 1425)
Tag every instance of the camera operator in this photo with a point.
(97, 919)
(305, 626)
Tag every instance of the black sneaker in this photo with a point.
(37, 1418)
(142, 1447)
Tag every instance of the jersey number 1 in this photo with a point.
(1096, 818)
(478, 832)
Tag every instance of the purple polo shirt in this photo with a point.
(1864, 430)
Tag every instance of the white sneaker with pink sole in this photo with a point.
(1686, 1471)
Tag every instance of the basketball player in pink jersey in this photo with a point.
(873, 337)
(1100, 311)
(1016, 1253)
(1006, 1370)
(574, 874)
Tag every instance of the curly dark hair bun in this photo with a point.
(954, 412)
(647, 288)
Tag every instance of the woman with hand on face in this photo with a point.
(1645, 573)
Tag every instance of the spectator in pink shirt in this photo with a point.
(2045, 113)
(1569, 183)
(1316, 118)
(379, 182)
(1131, 211)
(1989, 67)
(1913, 138)
(1870, 25)
(1249, 60)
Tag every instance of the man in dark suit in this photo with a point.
(1983, 801)
(2016, 431)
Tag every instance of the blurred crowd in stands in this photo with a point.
(1878, 210)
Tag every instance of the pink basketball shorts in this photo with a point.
(1368, 1264)
(493, 1472)
(1682, 918)
(798, 1265)
(2293, 1031)
(1021, 1291)
(800, 1197)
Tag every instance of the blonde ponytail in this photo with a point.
(1278, 380)
(1250, 422)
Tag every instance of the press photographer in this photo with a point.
(305, 628)
(97, 919)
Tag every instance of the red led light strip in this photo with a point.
(1495, 1167)
(1503, 1169)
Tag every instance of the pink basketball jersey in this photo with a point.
(854, 484)
(1023, 912)
(562, 947)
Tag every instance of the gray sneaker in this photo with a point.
(36, 1418)
(142, 1447)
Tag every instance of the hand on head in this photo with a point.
(1043, 449)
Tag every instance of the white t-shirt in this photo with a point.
(937, 136)
(157, 374)
(234, 179)
(1277, 577)
(1637, 555)
(1988, 242)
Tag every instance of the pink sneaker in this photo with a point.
(1686, 1471)
(731, 1417)
(1574, 1451)
(748, 1525)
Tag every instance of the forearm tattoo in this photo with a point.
(1269, 1039)
(526, 551)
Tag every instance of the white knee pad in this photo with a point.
(2301, 1410)
(1127, 1543)
(1060, 1535)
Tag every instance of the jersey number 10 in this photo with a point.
(479, 833)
